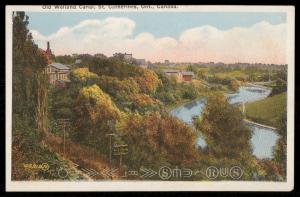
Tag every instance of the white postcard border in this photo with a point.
(158, 185)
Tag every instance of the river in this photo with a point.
(263, 139)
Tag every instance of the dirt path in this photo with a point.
(87, 161)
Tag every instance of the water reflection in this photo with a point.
(263, 140)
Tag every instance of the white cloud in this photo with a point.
(262, 42)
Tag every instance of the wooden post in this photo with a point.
(120, 165)
(64, 124)
(110, 150)
(64, 139)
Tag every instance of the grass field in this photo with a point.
(268, 110)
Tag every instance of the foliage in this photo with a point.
(61, 102)
(155, 139)
(234, 85)
(28, 85)
(144, 103)
(94, 116)
(223, 129)
(189, 91)
(83, 76)
(280, 150)
(147, 80)
(25, 151)
(114, 67)
(119, 90)
(280, 86)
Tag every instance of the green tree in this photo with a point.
(280, 151)
(29, 89)
(223, 128)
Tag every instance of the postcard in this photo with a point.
(149, 98)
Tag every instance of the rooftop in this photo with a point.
(171, 71)
(59, 66)
(188, 73)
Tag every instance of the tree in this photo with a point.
(147, 80)
(94, 116)
(234, 85)
(280, 151)
(144, 103)
(83, 76)
(223, 129)
(190, 91)
(29, 79)
(156, 139)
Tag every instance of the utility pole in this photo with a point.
(120, 149)
(110, 151)
(64, 123)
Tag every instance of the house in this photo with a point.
(78, 61)
(142, 63)
(181, 76)
(176, 73)
(187, 75)
(126, 56)
(58, 72)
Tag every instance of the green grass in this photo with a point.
(268, 110)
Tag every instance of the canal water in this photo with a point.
(263, 139)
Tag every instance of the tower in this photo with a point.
(48, 53)
(48, 48)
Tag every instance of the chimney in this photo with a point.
(48, 46)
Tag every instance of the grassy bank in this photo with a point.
(268, 110)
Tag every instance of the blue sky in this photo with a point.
(159, 24)
(156, 36)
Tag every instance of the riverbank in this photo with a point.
(267, 111)
(169, 108)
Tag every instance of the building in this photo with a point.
(187, 75)
(78, 61)
(167, 62)
(126, 56)
(175, 73)
(142, 63)
(180, 76)
(58, 72)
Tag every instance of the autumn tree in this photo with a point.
(83, 76)
(147, 80)
(94, 116)
(144, 103)
(156, 139)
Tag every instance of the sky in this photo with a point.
(177, 36)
